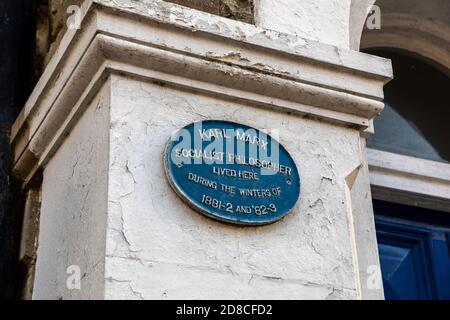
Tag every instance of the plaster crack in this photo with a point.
(135, 292)
(130, 172)
(316, 203)
(74, 166)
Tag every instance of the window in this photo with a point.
(416, 119)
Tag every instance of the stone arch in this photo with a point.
(417, 32)
(418, 27)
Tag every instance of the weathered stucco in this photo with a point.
(52, 17)
(157, 247)
(326, 21)
(339, 23)
(74, 210)
(106, 202)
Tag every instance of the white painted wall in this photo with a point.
(106, 204)
(326, 21)
(157, 247)
(336, 22)
(74, 209)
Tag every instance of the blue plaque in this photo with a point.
(232, 172)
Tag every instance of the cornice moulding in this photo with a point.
(196, 51)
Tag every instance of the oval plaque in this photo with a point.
(232, 172)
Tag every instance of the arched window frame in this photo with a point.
(399, 178)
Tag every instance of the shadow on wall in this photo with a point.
(17, 22)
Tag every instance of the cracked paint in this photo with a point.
(153, 245)
(308, 247)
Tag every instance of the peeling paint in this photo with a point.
(170, 234)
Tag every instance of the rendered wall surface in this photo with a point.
(326, 21)
(74, 209)
(96, 126)
(157, 247)
(52, 18)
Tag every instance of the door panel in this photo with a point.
(414, 252)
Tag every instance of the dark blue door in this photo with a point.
(414, 246)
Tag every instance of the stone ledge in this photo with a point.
(186, 48)
(408, 180)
